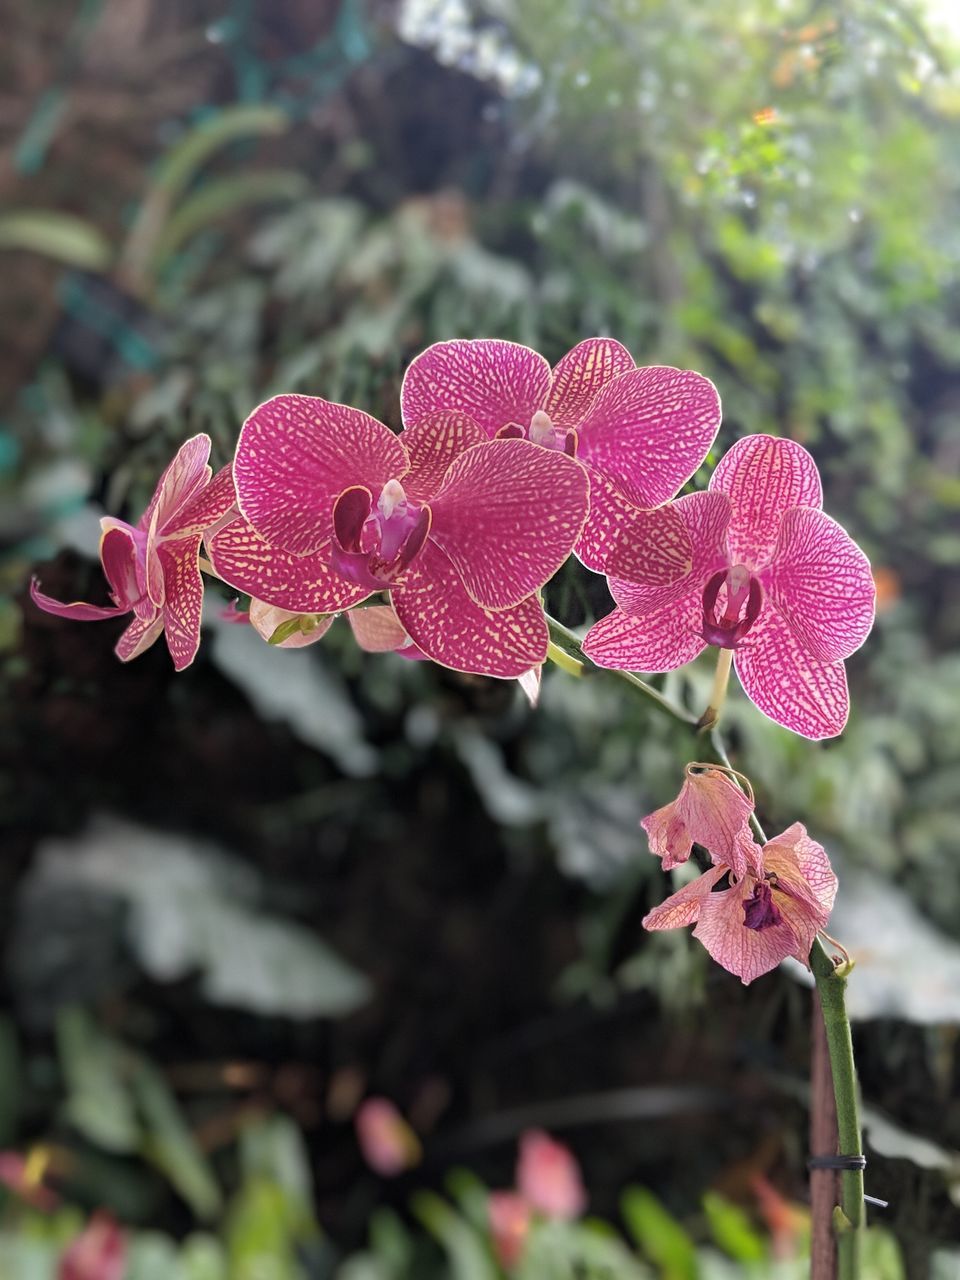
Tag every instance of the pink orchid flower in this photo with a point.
(710, 811)
(510, 1221)
(461, 531)
(98, 1253)
(549, 1178)
(773, 910)
(639, 433)
(773, 578)
(387, 1142)
(153, 567)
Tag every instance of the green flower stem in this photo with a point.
(831, 981)
(568, 642)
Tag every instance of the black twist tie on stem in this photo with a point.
(844, 1164)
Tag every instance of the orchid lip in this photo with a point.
(760, 911)
(744, 598)
(542, 431)
(374, 543)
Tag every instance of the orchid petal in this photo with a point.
(432, 444)
(301, 584)
(265, 618)
(183, 478)
(78, 610)
(821, 583)
(806, 885)
(494, 382)
(684, 906)
(746, 952)
(377, 629)
(549, 1177)
(710, 811)
(705, 517)
(119, 555)
(582, 372)
(138, 637)
(507, 517)
(208, 506)
(763, 476)
(787, 683)
(296, 454)
(662, 640)
(442, 620)
(183, 582)
(649, 430)
(530, 682)
(648, 545)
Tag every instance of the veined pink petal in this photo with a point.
(377, 629)
(431, 445)
(183, 602)
(787, 683)
(821, 583)
(650, 546)
(667, 638)
(582, 372)
(302, 584)
(705, 517)
(208, 506)
(763, 476)
(549, 1178)
(711, 811)
(649, 430)
(184, 477)
(138, 637)
(265, 618)
(441, 618)
(507, 517)
(683, 907)
(76, 609)
(494, 382)
(296, 455)
(805, 885)
(746, 952)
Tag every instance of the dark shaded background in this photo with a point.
(236, 901)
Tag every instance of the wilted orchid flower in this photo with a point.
(639, 433)
(549, 1178)
(98, 1253)
(773, 910)
(461, 530)
(389, 1145)
(153, 567)
(711, 811)
(774, 579)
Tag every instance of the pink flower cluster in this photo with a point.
(447, 532)
(549, 1185)
(778, 897)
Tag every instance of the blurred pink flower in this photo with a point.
(461, 530)
(773, 910)
(639, 433)
(98, 1253)
(153, 567)
(773, 579)
(548, 1177)
(510, 1216)
(23, 1175)
(711, 811)
(387, 1142)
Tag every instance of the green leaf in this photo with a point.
(467, 1254)
(659, 1234)
(732, 1229)
(60, 236)
(169, 1144)
(99, 1103)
